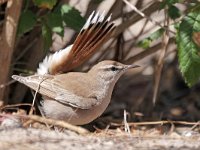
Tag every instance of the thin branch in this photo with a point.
(160, 64)
(135, 17)
(7, 42)
(147, 52)
(7, 84)
(34, 98)
(147, 17)
(14, 105)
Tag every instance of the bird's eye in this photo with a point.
(113, 68)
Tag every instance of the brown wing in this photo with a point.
(51, 87)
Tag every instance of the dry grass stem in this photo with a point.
(158, 123)
(126, 125)
(160, 64)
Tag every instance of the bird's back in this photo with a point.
(78, 83)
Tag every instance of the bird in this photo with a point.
(77, 97)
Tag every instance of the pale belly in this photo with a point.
(73, 115)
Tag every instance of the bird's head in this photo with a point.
(110, 70)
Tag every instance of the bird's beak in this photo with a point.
(132, 66)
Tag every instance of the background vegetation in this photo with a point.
(161, 36)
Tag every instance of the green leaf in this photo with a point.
(45, 3)
(55, 22)
(157, 34)
(26, 22)
(47, 36)
(174, 12)
(168, 3)
(72, 17)
(188, 51)
(145, 43)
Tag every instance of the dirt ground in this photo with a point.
(36, 139)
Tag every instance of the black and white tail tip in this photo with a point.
(96, 18)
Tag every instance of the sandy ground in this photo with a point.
(37, 139)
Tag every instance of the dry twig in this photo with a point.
(7, 84)
(54, 122)
(14, 105)
(157, 123)
(159, 67)
(126, 125)
(135, 17)
(147, 52)
(34, 98)
(147, 17)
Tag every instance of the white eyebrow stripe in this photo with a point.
(110, 66)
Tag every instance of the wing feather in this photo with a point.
(49, 88)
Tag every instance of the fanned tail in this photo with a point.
(94, 33)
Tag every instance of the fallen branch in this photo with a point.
(53, 122)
